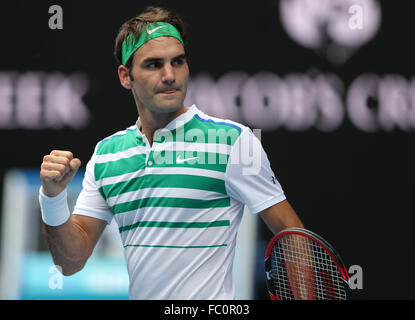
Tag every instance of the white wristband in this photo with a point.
(55, 210)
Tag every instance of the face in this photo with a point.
(159, 75)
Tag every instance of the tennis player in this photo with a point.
(176, 181)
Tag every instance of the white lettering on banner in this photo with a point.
(6, 99)
(375, 103)
(28, 100)
(329, 102)
(63, 103)
(295, 102)
(360, 102)
(38, 100)
(395, 107)
(230, 90)
(205, 93)
(301, 102)
(264, 100)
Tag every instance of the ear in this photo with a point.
(123, 74)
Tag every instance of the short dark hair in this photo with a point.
(135, 25)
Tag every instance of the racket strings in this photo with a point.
(302, 269)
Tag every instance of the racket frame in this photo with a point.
(341, 267)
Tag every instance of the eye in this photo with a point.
(153, 65)
(178, 61)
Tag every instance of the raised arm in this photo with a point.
(71, 239)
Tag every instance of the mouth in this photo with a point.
(170, 91)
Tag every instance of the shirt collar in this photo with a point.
(175, 123)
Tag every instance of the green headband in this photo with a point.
(151, 31)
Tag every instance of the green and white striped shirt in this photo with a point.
(178, 202)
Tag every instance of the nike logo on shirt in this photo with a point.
(180, 160)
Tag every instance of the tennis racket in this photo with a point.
(301, 265)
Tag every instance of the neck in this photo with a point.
(152, 121)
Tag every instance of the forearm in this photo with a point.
(68, 267)
(70, 238)
(300, 268)
(281, 216)
(69, 246)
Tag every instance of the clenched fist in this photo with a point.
(57, 170)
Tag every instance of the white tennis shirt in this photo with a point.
(179, 202)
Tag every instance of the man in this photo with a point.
(175, 182)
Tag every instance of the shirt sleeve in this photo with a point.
(90, 202)
(249, 177)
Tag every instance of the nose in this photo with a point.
(168, 76)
